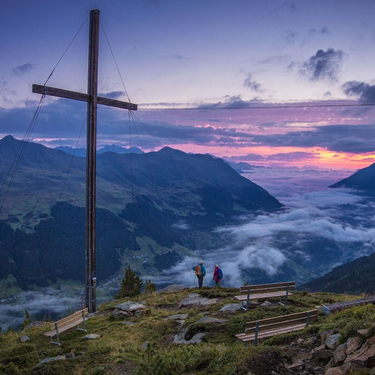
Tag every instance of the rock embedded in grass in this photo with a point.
(91, 336)
(231, 308)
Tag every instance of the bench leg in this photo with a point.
(57, 342)
(83, 321)
(256, 333)
(248, 299)
(308, 319)
(286, 295)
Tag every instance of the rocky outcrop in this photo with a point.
(129, 309)
(351, 356)
(196, 339)
(196, 300)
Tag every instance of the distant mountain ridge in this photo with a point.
(141, 216)
(364, 180)
(81, 152)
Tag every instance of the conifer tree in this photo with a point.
(27, 320)
(150, 287)
(131, 284)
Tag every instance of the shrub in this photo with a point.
(131, 284)
(27, 320)
(150, 287)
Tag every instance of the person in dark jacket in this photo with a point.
(218, 275)
(200, 271)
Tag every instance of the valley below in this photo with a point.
(317, 229)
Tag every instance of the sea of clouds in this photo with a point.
(310, 208)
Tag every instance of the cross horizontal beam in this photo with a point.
(52, 91)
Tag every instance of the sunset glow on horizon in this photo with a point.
(299, 93)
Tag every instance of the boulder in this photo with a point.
(195, 299)
(51, 359)
(130, 306)
(172, 288)
(203, 313)
(197, 338)
(363, 332)
(125, 306)
(25, 339)
(266, 304)
(177, 317)
(297, 365)
(353, 344)
(321, 353)
(180, 337)
(339, 356)
(145, 345)
(325, 334)
(91, 336)
(117, 312)
(346, 369)
(208, 319)
(333, 341)
(367, 358)
(209, 302)
(128, 323)
(231, 308)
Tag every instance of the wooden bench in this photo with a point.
(67, 323)
(262, 329)
(251, 292)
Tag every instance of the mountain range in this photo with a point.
(363, 180)
(108, 148)
(355, 277)
(151, 210)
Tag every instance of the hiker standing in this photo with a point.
(218, 275)
(200, 271)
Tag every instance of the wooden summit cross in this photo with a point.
(92, 100)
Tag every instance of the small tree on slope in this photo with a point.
(131, 284)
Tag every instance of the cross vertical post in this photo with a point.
(92, 91)
(92, 99)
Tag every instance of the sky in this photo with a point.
(206, 76)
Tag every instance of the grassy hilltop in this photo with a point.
(121, 348)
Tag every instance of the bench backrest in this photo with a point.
(77, 316)
(281, 321)
(268, 288)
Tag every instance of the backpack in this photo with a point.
(197, 270)
(219, 273)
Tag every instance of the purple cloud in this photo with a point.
(251, 83)
(324, 65)
(364, 91)
(22, 69)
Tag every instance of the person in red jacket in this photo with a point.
(218, 275)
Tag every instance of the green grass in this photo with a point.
(120, 346)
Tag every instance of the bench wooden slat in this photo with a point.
(259, 329)
(261, 335)
(67, 320)
(267, 290)
(265, 286)
(281, 324)
(260, 296)
(67, 323)
(281, 318)
(64, 328)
